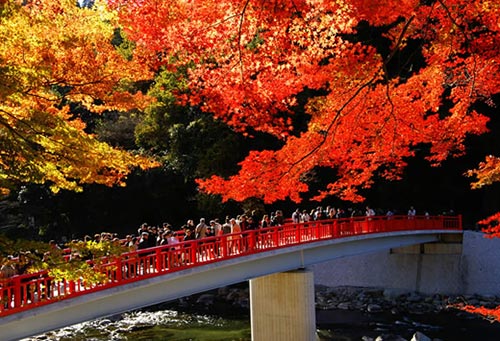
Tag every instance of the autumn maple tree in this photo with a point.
(388, 76)
(56, 56)
(384, 78)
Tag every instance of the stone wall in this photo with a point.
(473, 268)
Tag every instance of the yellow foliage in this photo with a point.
(54, 52)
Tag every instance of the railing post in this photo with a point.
(252, 240)
(365, 225)
(17, 292)
(118, 272)
(223, 246)
(159, 261)
(72, 287)
(318, 231)
(275, 232)
(192, 252)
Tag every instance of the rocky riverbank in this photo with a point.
(377, 306)
(374, 300)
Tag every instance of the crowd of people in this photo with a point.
(149, 235)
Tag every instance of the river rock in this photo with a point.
(232, 294)
(373, 308)
(242, 302)
(183, 302)
(395, 311)
(390, 337)
(104, 322)
(419, 308)
(418, 336)
(139, 327)
(473, 301)
(344, 306)
(394, 293)
(414, 297)
(206, 299)
(487, 304)
(488, 298)
(223, 291)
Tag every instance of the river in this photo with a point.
(205, 320)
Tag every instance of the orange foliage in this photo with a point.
(248, 60)
(487, 173)
(492, 314)
(491, 226)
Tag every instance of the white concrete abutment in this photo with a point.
(282, 307)
(455, 265)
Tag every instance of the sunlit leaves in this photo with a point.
(54, 53)
(487, 173)
(80, 261)
(411, 82)
(491, 225)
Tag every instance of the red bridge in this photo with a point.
(35, 303)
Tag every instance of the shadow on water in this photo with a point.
(448, 325)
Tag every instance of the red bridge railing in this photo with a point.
(24, 292)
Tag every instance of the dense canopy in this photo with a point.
(384, 79)
(55, 57)
(356, 86)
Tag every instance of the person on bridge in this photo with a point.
(216, 227)
(7, 270)
(252, 227)
(201, 229)
(188, 234)
(278, 219)
(296, 216)
(190, 225)
(265, 222)
(332, 213)
(144, 242)
(234, 238)
(318, 214)
(412, 212)
(369, 211)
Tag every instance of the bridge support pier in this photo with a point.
(283, 307)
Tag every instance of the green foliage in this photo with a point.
(122, 44)
(189, 141)
(118, 129)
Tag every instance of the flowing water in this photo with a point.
(182, 321)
